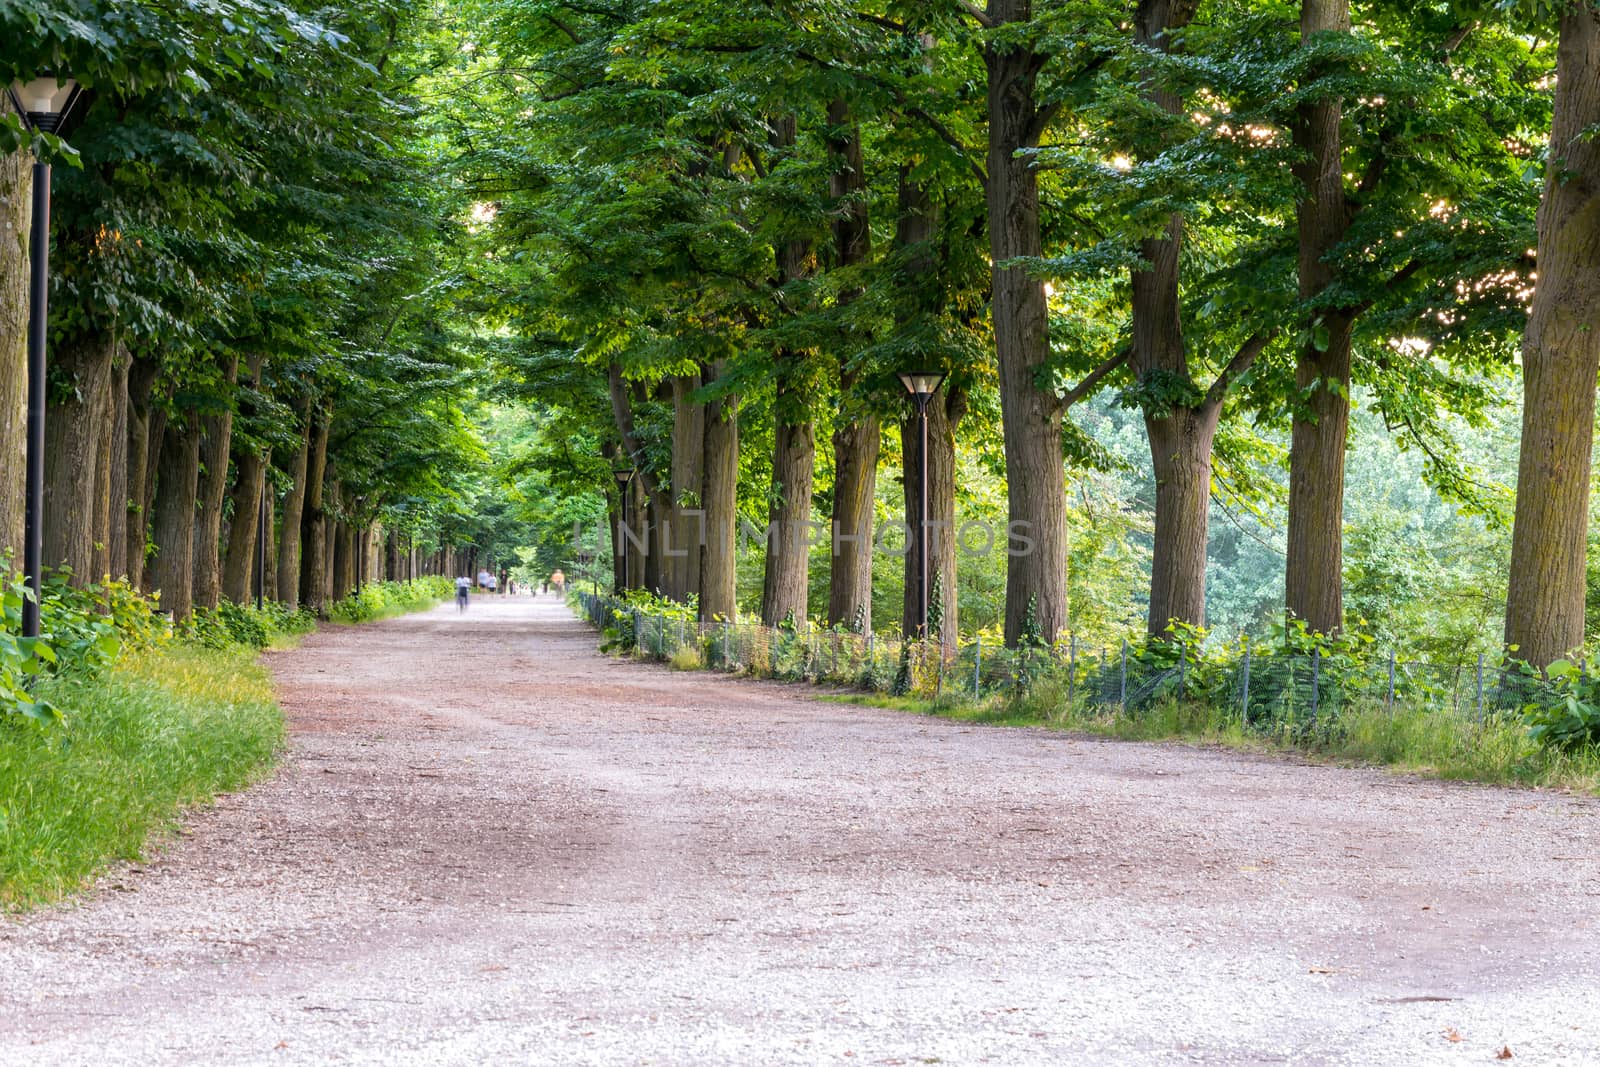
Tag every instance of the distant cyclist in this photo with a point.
(463, 592)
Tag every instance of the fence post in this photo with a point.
(1183, 668)
(1244, 707)
(1316, 681)
(1480, 686)
(1072, 668)
(1122, 689)
(638, 635)
(1389, 701)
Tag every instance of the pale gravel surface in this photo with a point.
(490, 844)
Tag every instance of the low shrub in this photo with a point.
(384, 600)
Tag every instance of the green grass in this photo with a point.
(1498, 752)
(164, 730)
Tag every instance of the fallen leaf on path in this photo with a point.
(1452, 1035)
(1505, 1053)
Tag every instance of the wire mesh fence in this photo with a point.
(1269, 690)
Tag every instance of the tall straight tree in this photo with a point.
(1313, 570)
(1560, 361)
(1036, 574)
(856, 433)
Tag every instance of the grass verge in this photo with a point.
(1498, 751)
(163, 730)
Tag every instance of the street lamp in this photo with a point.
(624, 476)
(44, 103)
(922, 385)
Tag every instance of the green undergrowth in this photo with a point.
(116, 718)
(1498, 751)
(387, 600)
(164, 729)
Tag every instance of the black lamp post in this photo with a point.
(922, 385)
(43, 102)
(624, 476)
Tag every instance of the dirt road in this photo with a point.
(490, 844)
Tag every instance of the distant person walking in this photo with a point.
(463, 592)
(559, 580)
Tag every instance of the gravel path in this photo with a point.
(491, 844)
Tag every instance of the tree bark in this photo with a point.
(215, 448)
(1036, 571)
(250, 467)
(1180, 453)
(945, 412)
(719, 591)
(100, 533)
(1314, 569)
(269, 575)
(118, 494)
(141, 385)
(344, 560)
(16, 221)
(857, 435)
(313, 523)
(294, 504)
(1560, 360)
(177, 482)
(73, 434)
(786, 581)
(1180, 431)
(239, 568)
(688, 475)
(786, 577)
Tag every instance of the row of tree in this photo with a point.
(250, 271)
(718, 228)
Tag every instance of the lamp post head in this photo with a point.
(624, 475)
(45, 101)
(921, 384)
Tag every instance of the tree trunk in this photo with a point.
(344, 560)
(330, 544)
(73, 432)
(945, 412)
(786, 582)
(269, 584)
(1180, 452)
(313, 523)
(239, 567)
(719, 589)
(1036, 571)
(1180, 434)
(391, 564)
(141, 384)
(155, 444)
(100, 535)
(1560, 360)
(1314, 569)
(857, 435)
(177, 483)
(250, 466)
(294, 504)
(856, 444)
(688, 475)
(117, 532)
(215, 448)
(16, 221)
